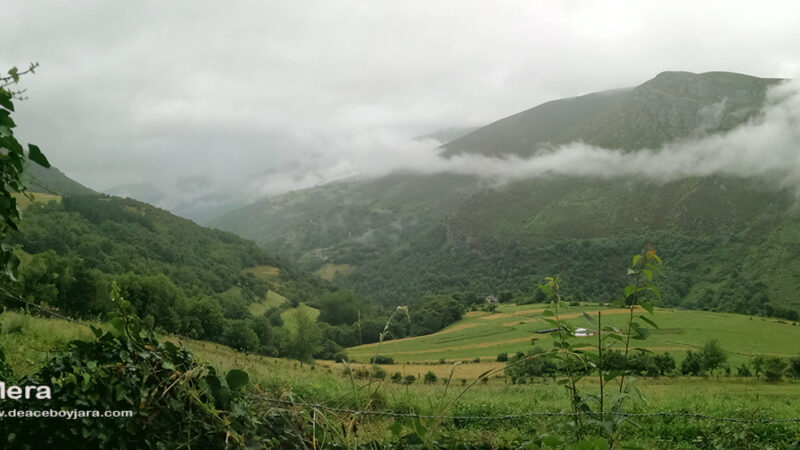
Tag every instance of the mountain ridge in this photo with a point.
(410, 234)
(600, 118)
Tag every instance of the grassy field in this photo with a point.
(288, 316)
(38, 197)
(271, 300)
(29, 340)
(328, 271)
(511, 328)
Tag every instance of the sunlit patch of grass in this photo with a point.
(23, 200)
(271, 300)
(264, 272)
(288, 316)
(329, 271)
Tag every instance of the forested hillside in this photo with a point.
(180, 277)
(729, 241)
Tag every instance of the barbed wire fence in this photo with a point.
(661, 414)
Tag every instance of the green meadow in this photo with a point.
(30, 340)
(512, 328)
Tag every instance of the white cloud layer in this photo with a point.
(267, 96)
(767, 147)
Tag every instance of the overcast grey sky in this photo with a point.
(269, 95)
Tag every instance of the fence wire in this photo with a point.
(662, 414)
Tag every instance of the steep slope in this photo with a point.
(727, 241)
(181, 277)
(144, 192)
(672, 105)
(52, 181)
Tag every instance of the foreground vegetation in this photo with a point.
(30, 341)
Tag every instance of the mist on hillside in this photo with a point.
(765, 147)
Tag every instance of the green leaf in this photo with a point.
(36, 155)
(14, 72)
(96, 331)
(5, 100)
(592, 443)
(396, 428)
(630, 290)
(170, 347)
(213, 383)
(236, 379)
(589, 319)
(647, 306)
(551, 441)
(641, 333)
(648, 274)
(611, 374)
(652, 324)
(5, 119)
(548, 313)
(636, 259)
(12, 263)
(118, 324)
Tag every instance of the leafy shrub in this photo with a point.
(378, 373)
(502, 357)
(381, 359)
(774, 369)
(397, 378)
(794, 366)
(744, 371)
(692, 364)
(173, 398)
(409, 379)
(430, 378)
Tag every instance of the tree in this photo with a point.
(239, 336)
(12, 163)
(794, 366)
(713, 356)
(758, 365)
(665, 363)
(774, 368)
(430, 378)
(692, 364)
(306, 338)
(338, 308)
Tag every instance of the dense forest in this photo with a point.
(193, 281)
(180, 277)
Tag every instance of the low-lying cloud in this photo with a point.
(767, 147)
